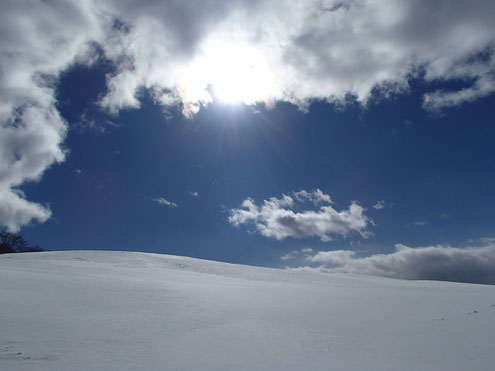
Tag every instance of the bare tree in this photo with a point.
(13, 242)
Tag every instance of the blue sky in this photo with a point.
(153, 141)
(434, 173)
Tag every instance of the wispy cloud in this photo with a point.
(296, 254)
(280, 218)
(194, 194)
(379, 205)
(289, 255)
(485, 84)
(165, 202)
(87, 122)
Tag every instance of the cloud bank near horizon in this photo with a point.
(472, 264)
(326, 50)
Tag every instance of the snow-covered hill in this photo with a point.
(94, 310)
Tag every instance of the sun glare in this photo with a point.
(229, 74)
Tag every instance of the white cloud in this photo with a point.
(290, 255)
(420, 223)
(438, 100)
(194, 194)
(90, 123)
(303, 51)
(38, 42)
(336, 257)
(15, 210)
(297, 253)
(164, 202)
(316, 197)
(281, 218)
(470, 264)
(316, 49)
(379, 205)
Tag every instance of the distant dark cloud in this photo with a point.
(280, 218)
(304, 50)
(475, 264)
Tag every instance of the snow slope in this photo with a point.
(95, 310)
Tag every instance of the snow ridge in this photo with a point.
(78, 310)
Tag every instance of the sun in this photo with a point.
(229, 73)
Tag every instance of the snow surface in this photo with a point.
(99, 310)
